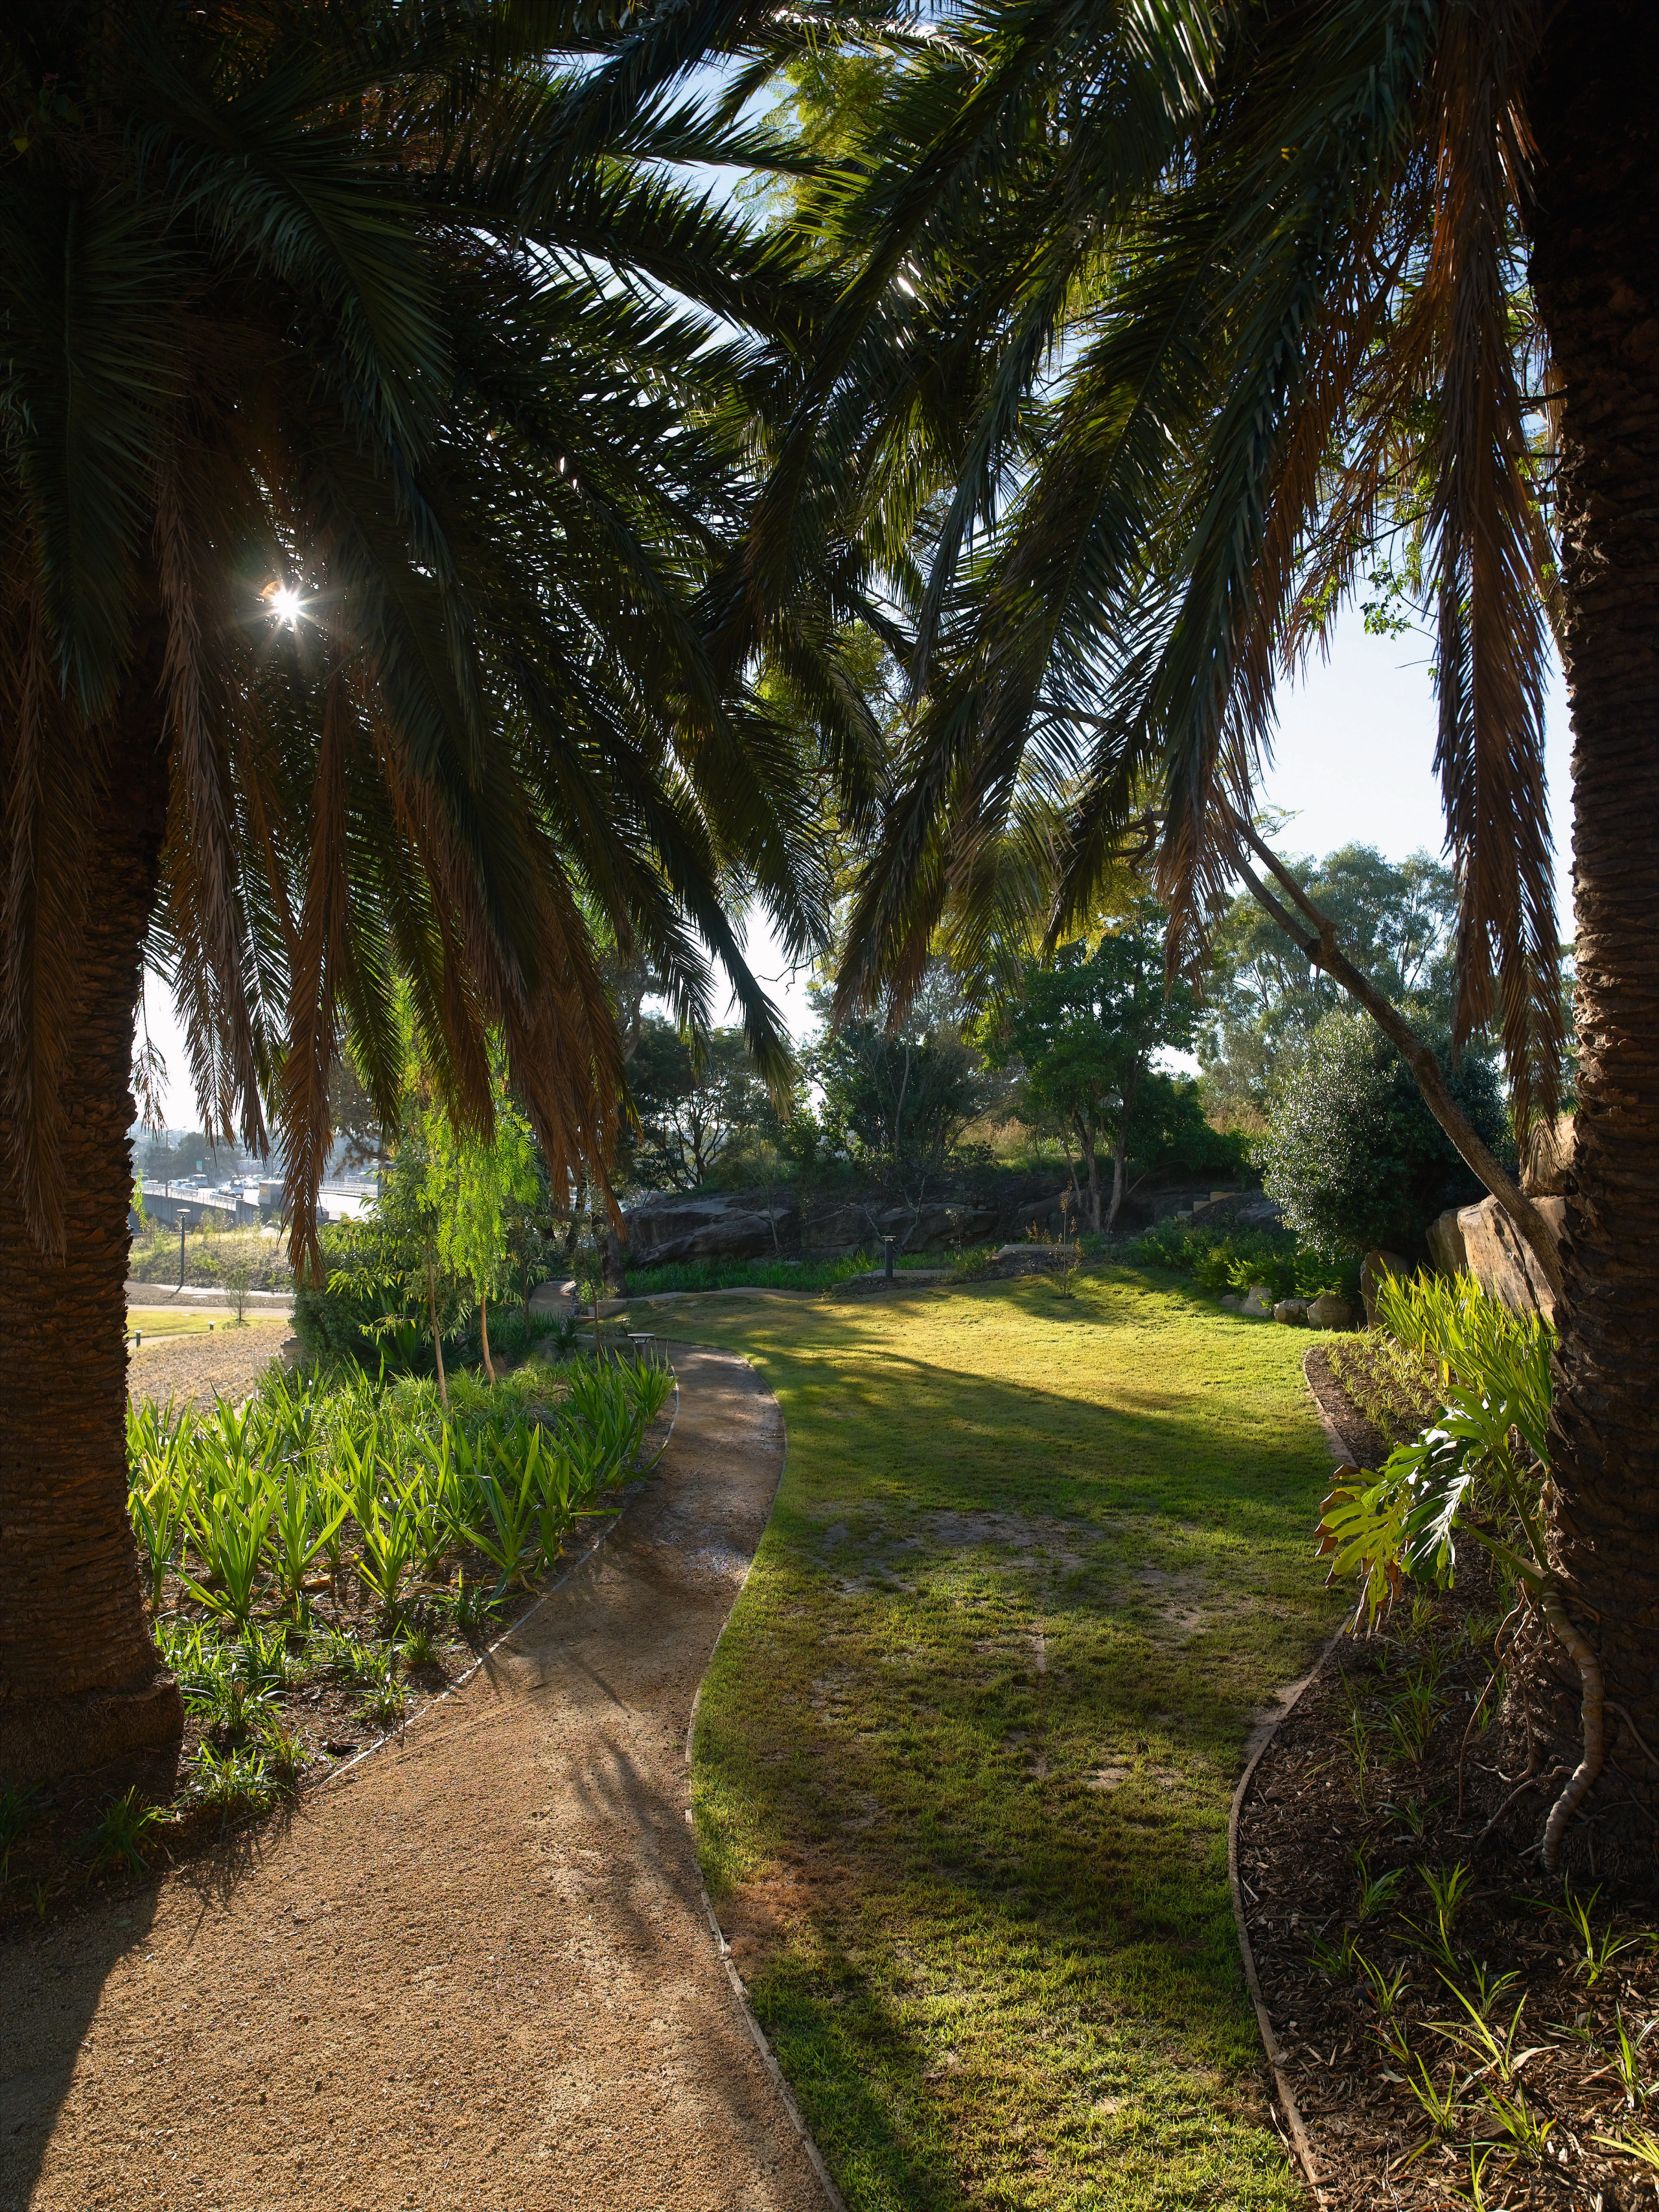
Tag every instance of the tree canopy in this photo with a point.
(379, 500)
(1397, 921)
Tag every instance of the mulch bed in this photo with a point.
(1382, 1782)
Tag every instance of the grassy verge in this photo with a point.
(964, 1761)
(155, 1323)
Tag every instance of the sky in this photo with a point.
(1353, 764)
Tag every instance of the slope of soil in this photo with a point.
(474, 1973)
(199, 1367)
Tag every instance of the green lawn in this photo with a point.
(964, 1761)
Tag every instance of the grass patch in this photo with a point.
(964, 1757)
(153, 1322)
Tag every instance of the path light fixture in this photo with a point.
(887, 1244)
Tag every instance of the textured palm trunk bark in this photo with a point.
(81, 1690)
(1596, 265)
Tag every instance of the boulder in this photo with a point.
(1446, 1244)
(1548, 1162)
(667, 1227)
(1292, 1310)
(1501, 1261)
(1372, 1267)
(1233, 1302)
(1259, 1303)
(1243, 1209)
(1328, 1311)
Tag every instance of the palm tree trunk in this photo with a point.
(1596, 265)
(81, 1690)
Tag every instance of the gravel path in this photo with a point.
(225, 1365)
(475, 1975)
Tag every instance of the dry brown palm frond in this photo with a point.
(563, 1053)
(307, 1124)
(1491, 554)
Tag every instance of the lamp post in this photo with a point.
(182, 1216)
(887, 1249)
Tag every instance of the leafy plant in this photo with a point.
(1339, 1960)
(1384, 1987)
(1519, 2126)
(1375, 1891)
(124, 1828)
(227, 1524)
(1626, 2060)
(1448, 1892)
(1595, 1953)
(1494, 2050)
(1637, 2143)
(385, 1705)
(471, 1605)
(1441, 2107)
(1411, 1717)
(232, 1781)
(305, 1519)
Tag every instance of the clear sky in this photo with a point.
(1353, 763)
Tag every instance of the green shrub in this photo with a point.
(1235, 1258)
(1353, 1154)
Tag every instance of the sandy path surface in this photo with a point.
(201, 1367)
(475, 1975)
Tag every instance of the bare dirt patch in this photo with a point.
(199, 1369)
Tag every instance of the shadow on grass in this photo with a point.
(965, 1755)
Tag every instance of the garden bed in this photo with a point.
(1456, 2028)
(283, 1687)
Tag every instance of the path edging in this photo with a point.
(775, 2073)
(1300, 2140)
(450, 1689)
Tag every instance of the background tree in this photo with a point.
(1398, 924)
(896, 1097)
(473, 1185)
(696, 1100)
(377, 424)
(1085, 1027)
(1353, 1156)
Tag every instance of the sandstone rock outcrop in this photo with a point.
(1446, 1244)
(1501, 1261)
(1548, 1162)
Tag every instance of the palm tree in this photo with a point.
(376, 403)
(1171, 320)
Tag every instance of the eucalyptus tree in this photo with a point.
(377, 399)
(1177, 322)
